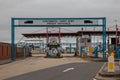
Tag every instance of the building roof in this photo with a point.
(43, 35)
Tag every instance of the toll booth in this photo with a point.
(84, 46)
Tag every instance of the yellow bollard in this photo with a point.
(91, 49)
(112, 54)
(111, 65)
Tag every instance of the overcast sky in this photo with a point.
(55, 8)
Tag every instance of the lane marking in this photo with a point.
(68, 69)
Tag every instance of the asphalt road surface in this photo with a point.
(72, 71)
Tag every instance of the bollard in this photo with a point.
(111, 63)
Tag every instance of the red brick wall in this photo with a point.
(5, 51)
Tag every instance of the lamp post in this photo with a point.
(116, 36)
(108, 40)
(116, 42)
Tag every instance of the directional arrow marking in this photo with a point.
(68, 69)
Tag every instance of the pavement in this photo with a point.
(5, 61)
(99, 59)
(103, 73)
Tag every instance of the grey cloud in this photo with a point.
(56, 8)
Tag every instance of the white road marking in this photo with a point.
(68, 69)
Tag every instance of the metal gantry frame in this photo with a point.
(13, 25)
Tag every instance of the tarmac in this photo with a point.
(103, 73)
(31, 64)
(26, 65)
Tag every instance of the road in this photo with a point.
(72, 71)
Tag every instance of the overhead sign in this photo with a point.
(58, 22)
